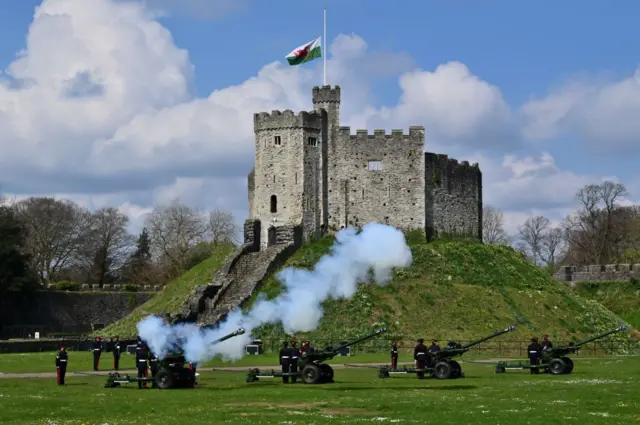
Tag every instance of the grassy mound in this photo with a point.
(456, 290)
(621, 297)
(172, 296)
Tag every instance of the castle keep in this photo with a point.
(311, 175)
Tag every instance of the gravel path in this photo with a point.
(208, 369)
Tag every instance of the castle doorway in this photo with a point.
(271, 236)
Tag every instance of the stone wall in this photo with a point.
(379, 177)
(453, 197)
(598, 272)
(57, 311)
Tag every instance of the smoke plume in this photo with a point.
(378, 248)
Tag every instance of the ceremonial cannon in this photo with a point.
(310, 367)
(172, 372)
(554, 360)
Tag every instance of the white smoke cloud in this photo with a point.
(378, 248)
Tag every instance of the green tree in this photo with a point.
(16, 275)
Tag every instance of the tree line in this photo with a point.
(600, 231)
(46, 240)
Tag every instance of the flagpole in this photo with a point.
(325, 48)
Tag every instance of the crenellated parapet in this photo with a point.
(598, 272)
(415, 132)
(287, 119)
(448, 172)
(326, 94)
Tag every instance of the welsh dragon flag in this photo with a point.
(305, 53)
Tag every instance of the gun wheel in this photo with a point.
(311, 374)
(569, 363)
(164, 379)
(456, 369)
(326, 373)
(557, 367)
(443, 370)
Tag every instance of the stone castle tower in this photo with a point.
(311, 176)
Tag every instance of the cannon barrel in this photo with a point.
(355, 341)
(493, 335)
(237, 332)
(599, 336)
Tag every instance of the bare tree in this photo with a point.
(175, 229)
(222, 227)
(56, 232)
(493, 226)
(532, 233)
(594, 229)
(553, 246)
(107, 245)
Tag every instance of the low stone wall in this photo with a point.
(110, 288)
(60, 312)
(598, 272)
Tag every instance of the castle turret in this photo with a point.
(286, 176)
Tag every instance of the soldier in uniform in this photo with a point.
(420, 356)
(434, 347)
(534, 350)
(154, 364)
(142, 355)
(394, 354)
(546, 344)
(97, 350)
(61, 364)
(193, 366)
(116, 353)
(295, 355)
(285, 361)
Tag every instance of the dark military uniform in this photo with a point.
(420, 356)
(61, 365)
(154, 365)
(142, 355)
(534, 351)
(193, 366)
(394, 355)
(546, 344)
(97, 350)
(116, 353)
(285, 361)
(295, 355)
(434, 347)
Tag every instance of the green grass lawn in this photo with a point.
(600, 391)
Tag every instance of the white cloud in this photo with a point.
(603, 113)
(200, 9)
(99, 109)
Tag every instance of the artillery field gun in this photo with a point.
(555, 360)
(440, 364)
(172, 372)
(311, 368)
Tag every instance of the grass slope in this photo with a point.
(172, 296)
(622, 298)
(456, 290)
(598, 392)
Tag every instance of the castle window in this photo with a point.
(375, 165)
(311, 141)
(274, 203)
(296, 178)
(274, 178)
(277, 140)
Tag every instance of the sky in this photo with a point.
(134, 104)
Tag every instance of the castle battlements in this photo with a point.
(326, 94)
(277, 120)
(415, 132)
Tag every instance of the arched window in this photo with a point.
(274, 203)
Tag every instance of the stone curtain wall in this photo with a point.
(453, 197)
(55, 310)
(598, 272)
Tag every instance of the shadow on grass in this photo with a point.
(405, 388)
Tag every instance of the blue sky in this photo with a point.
(580, 50)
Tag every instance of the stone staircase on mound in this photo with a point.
(233, 284)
